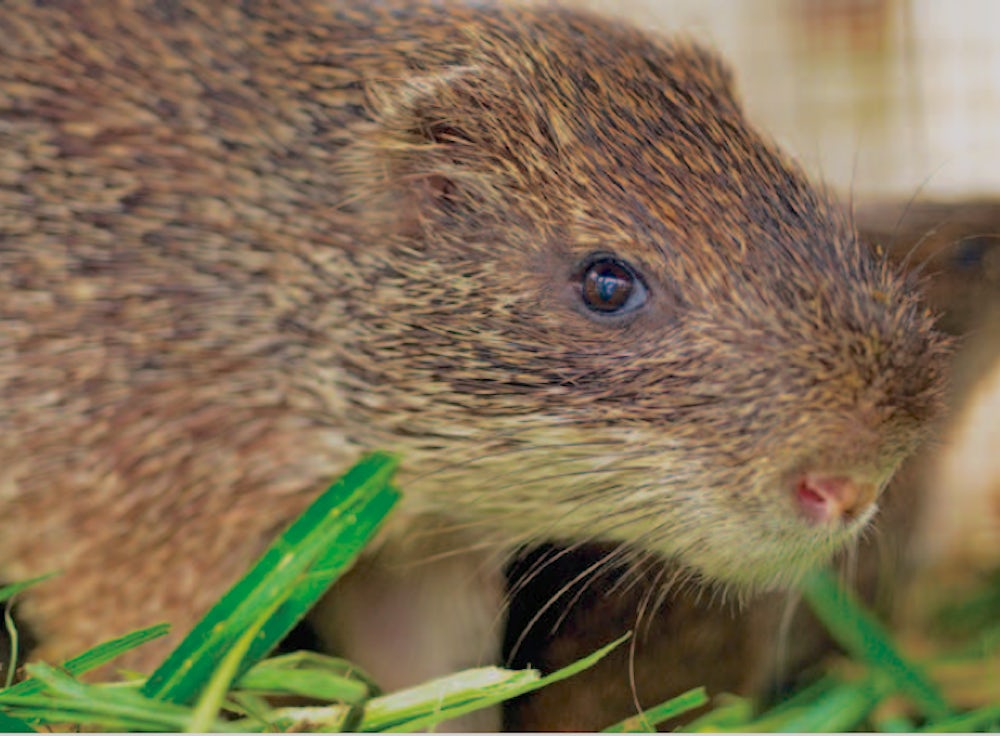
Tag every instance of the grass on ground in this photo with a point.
(220, 676)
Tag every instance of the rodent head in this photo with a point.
(598, 305)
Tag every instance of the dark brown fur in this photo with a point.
(241, 244)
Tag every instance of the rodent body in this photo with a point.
(241, 244)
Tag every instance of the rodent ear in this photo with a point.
(421, 157)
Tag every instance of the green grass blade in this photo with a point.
(213, 696)
(982, 719)
(733, 713)
(9, 591)
(475, 688)
(895, 724)
(99, 655)
(858, 632)
(313, 684)
(320, 719)
(14, 647)
(251, 707)
(9, 724)
(977, 612)
(310, 675)
(314, 663)
(841, 708)
(421, 708)
(65, 700)
(294, 571)
(649, 718)
(805, 696)
(334, 559)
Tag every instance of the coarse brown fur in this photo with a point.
(242, 242)
(560, 613)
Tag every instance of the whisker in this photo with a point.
(633, 686)
(649, 596)
(906, 209)
(451, 552)
(544, 609)
(539, 565)
(610, 560)
(678, 578)
(928, 234)
(590, 571)
(793, 599)
(919, 269)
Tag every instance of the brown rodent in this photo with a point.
(540, 254)
(944, 510)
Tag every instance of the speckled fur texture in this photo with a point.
(242, 242)
(937, 510)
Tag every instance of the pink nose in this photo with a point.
(823, 498)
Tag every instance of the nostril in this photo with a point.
(823, 498)
(809, 495)
(813, 502)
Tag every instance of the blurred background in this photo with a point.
(879, 97)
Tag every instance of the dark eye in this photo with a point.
(610, 286)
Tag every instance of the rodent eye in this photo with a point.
(610, 286)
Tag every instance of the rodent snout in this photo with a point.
(825, 498)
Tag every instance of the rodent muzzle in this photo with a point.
(831, 498)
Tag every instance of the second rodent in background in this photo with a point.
(542, 255)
